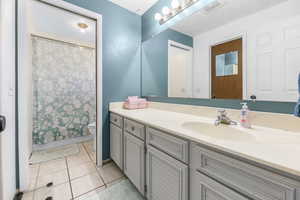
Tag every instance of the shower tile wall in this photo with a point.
(64, 90)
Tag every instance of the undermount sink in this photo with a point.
(223, 132)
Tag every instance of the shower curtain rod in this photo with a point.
(60, 40)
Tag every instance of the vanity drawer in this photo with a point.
(257, 183)
(135, 128)
(116, 119)
(176, 147)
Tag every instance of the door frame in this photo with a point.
(8, 98)
(23, 35)
(190, 74)
(225, 39)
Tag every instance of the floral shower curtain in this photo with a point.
(64, 90)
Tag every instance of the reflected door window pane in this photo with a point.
(227, 64)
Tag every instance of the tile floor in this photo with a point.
(73, 177)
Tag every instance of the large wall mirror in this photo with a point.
(229, 49)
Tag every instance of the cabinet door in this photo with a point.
(204, 188)
(134, 161)
(167, 178)
(116, 145)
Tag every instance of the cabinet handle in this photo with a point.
(115, 120)
(132, 128)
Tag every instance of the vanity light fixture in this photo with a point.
(166, 11)
(82, 26)
(176, 8)
(175, 4)
(158, 17)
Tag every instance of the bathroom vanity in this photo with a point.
(179, 156)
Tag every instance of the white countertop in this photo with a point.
(276, 148)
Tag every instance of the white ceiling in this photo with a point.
(229, 10)
(59, 24)
(137, 6)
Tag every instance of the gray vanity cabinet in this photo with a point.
(251, 181)
(167, 178)
(134, 161)
(116, 145)
(205, 188)
(163, 166)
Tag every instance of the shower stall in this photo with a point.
(64, 90)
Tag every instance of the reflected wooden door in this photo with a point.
(227, 70)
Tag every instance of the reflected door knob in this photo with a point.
(253, 97)
(2, 123)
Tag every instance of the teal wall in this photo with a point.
(155, 61)
(121, 55)
(150, 27)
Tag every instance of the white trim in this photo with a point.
(7, 99)
(98, 18)
(242, 36)
(190, 73)
(171, 42)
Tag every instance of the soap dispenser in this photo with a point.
(245, 116)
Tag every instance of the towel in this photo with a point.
(135, 102)
(297, 108)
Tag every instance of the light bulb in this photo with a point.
(157, 17)
(175, 4)
(166, 10)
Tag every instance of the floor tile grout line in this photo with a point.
(89, 154)
(36, 178)
(44, 187)
(69, 179)
(36, 188)
(72, 179)
(86, 151)
(117, 179)
(95, 164)
(36, 181)
(84, 148)
(90, 191)
(102, 179)
(106, 187)
(69, 167)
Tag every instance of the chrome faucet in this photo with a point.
(222, 118)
